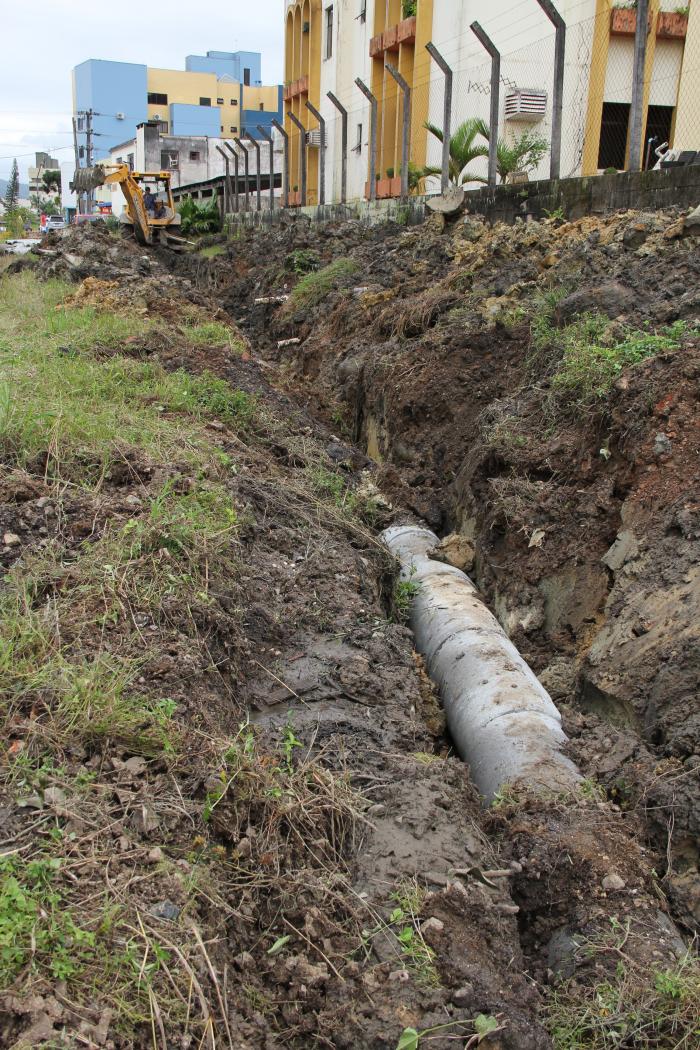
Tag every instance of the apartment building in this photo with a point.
(328, 45)
(217, 94)
(42, 163)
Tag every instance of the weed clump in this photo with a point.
(313, 288)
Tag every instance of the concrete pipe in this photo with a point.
(502, 721)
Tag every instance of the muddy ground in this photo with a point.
(313, 866)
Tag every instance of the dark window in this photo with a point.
(329, 31)
(156, 98)
(130, 161)
(169, 159)
(659, 121)
(613, 135)
(219, 102)
(234, 101)
(234, 129)
(363, 10)
(194, 155)
(246, 77)
(163, 127)
(262, 106)
(205, 102)
(358, 145)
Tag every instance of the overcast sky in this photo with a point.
(45, 39)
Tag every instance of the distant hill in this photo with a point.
(23, 188)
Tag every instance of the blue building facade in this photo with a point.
(117, 94)
(243, 66)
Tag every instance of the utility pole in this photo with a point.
(637, 107)
(77, 158)
(88, 155)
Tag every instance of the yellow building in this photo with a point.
(330, 43)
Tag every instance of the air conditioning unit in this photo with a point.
(526, 105)
(313, 138)
(120, 116)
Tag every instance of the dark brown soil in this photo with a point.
(298, 632)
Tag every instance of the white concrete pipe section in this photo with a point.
(502, 721)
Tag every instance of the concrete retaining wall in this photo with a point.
(597, 195)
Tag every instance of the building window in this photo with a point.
(234, 129)
(130, 161)
(329, 31)
(194, 154)
(613, 135)
(363, 10)
(169, 159)
(156, 98)
(219, 102)
(163, 127)
(659, 124)
(205, 102)
(234, 101)
(262, 107)
(358, 145)
(246, 77)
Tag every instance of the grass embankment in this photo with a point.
(81, 622)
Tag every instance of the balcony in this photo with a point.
(296, 87)
(391, 39)
(623, 21)
(672, 25)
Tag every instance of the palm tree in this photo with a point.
(463, 150)
(523, 154)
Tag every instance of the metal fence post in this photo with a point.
(637, 107)
(302, 154)
(271, 144)
(245, 171)
(558, 92)
(489, 45)
(233, 153)
(372, 138)
(344, 147)
(285, 177)
(322, 174)
(406, 135)
(227, 181)
(256, 147)
(446, 114)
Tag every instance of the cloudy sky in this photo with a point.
(49, 37)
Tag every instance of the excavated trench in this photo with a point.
(580, 863)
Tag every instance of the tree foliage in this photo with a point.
(11, 199)
(464, 149)
(51, 180)
(523, 153)
(199, 217)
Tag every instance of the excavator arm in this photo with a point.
(86, 179)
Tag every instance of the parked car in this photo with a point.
(54, 222)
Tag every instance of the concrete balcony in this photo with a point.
(297, 87)
(672, 25)
(391, 39)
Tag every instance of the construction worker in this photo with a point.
(149, 201)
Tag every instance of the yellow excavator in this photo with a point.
(150, 225)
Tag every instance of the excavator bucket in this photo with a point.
(86, 179)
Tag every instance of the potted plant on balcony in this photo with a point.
(406, 29)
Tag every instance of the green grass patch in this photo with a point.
(585, 358)
(37, 932)
(314, 287)
(212, 333)
(78, 413)
(212, 251)
(632, 1008)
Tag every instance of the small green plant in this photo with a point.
(289, 742)
(389, 173)
(483, 1025)
(555, 213)
(37, 931)
(212, 333)
(409, 8)
(404, 593)
(302, 261)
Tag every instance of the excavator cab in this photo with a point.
(149, 209)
